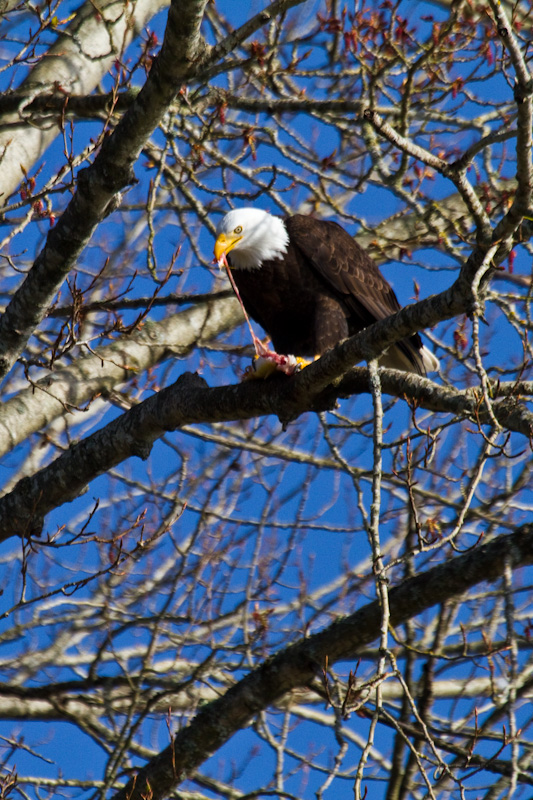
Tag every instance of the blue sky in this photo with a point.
(278, 530)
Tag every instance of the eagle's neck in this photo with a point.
(266, 242)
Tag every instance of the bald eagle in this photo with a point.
(309, 285)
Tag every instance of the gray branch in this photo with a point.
(99, 184)
(190, 400)
(181, 60)
(74, 64)
(35, 407)
(298, 665)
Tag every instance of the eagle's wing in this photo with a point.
(345, 267)
(355, 279)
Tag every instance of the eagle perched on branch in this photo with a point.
(309, 285)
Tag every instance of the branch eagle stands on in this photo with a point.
(309, 285)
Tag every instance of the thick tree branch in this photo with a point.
(68, 389)
(460, 298)
(180, 61)
(189, 400)
(299, 664)
(183, 571)
(89, 700)
(507, 405)
(99, 184)
(524, 102)
(74, 64)
(89, 106)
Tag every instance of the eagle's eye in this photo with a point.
(238, 229)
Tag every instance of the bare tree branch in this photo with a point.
(299, 664)
(74, 64)
(106, 367)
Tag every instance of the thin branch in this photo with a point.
(296, 666)
(451, 171)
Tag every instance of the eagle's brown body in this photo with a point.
(324, 289)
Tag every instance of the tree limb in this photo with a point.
(76, 63)
(71, 387)
(297, 665)
(181, 59)
(190, 400)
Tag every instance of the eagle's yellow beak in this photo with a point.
(225, 243)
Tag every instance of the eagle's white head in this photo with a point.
(253, 236)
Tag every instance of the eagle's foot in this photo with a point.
(270, 362)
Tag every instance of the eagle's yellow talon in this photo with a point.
(301, 363)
